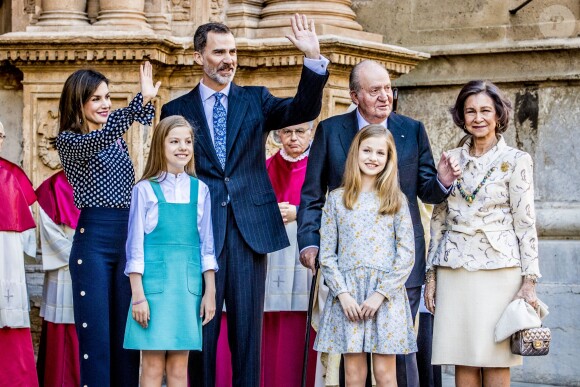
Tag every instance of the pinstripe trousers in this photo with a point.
(240, 282)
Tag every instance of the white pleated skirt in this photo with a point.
(468, 306)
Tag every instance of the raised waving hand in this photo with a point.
(148, 90)
(304, 36)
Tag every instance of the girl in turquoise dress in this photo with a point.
(367, 252)
(166, 255)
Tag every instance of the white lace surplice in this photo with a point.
(57, 299)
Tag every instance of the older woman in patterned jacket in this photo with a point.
(484, 246)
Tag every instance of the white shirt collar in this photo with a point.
(171, 178)
(206, 93)
(362, 122)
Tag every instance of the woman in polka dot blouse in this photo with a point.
(96, 162)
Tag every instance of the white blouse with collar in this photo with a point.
(144, 214)
(498, 229)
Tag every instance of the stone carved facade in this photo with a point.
(533, 55)
(216, 11)
(47, 130)
(181, 10)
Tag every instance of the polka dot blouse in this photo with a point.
(97, 164)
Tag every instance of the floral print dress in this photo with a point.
(362, 252)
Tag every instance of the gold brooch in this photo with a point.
(505, 166)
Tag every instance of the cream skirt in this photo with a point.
(468, 306)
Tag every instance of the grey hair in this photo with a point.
(354, 78)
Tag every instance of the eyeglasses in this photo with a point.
(298, 132)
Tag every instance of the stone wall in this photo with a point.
(424, 23)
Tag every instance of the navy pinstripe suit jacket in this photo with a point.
(252, 111)
(417, 176)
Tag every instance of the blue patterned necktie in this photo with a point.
(219, 129)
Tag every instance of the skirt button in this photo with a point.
(80, 261)
(84, 325)
(82, 230)
(86, 356)
(82, 293)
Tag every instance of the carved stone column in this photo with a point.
(243, 16)
(124, 15)
(331, 17)
(92, 10)
(157, 16)
(61, 15)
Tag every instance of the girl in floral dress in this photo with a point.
(367, 253)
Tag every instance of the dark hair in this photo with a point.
(502, 105)
(354, 78)
(200, 36)
(77, 90)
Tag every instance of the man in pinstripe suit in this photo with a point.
(246, 220)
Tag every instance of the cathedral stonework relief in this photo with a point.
(47, 130)
(181, 10)
(217, 11)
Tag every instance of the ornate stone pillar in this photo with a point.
(157, 16)
(61, 14)
(243, 16)
(92, 10)
(325, 12)
(124, 15)
(331, 17)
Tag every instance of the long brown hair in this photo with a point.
(156, 162)
(77, 90)
(386, 182)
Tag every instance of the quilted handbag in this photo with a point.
(531, 342)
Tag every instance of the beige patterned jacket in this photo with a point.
(498, 229)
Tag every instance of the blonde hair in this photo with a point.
(386, 182)
(156, 162)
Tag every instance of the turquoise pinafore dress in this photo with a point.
(172, 279)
